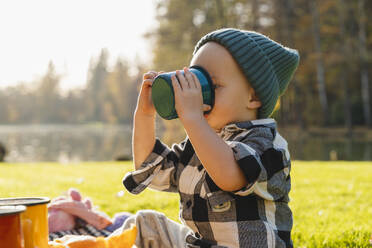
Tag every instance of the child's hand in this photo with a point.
(188, 96)
(144, 102)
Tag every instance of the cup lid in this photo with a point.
(163, 92)
(9, 210)
(27, 201)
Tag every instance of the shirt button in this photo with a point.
(188, 203)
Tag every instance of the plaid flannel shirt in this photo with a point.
(257, 215)
(81, 228)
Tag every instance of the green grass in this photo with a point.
(331, 201)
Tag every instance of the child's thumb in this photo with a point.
(206, 107)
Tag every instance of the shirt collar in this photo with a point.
(246, 125)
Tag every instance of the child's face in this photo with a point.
(232, 93)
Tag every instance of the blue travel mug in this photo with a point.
(163, 93)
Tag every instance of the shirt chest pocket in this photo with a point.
(221, 207)
(220, 202)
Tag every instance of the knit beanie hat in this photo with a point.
(267, 65)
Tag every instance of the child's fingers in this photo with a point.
(150, 74)
(148, 82)
(206, 107)
(196, 80)
(189, 78)
(181, 78)
(176, 85)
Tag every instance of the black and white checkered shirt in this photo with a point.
(81, 228)
(257, 215)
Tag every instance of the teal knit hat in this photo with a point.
(267, 65)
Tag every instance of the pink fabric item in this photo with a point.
(62, 212)
(60, 221)
(74, 194)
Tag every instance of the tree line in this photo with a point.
(330, 88)
(109, 96)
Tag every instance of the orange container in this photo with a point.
(10, 227)
(34, 220)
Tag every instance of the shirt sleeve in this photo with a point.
(265, 164)
(158, 171)
(250, 164)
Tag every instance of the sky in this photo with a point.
(69, 33)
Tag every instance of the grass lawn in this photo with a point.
(331, 201)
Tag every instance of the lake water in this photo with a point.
(74, 143)
(65, 143)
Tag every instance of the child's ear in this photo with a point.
(253, 102)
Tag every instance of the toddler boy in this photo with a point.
(232, 169)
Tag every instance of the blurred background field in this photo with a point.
(331, 201)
